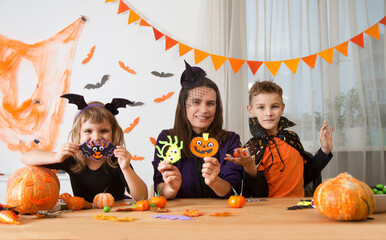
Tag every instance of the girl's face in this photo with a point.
(96, 132)
(201, 108)
(267, 107)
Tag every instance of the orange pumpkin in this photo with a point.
(158, 200)
(236, 201)
(344, 198)
(75, 203)
(204, 146)
(32, 188)
(65, 196)
(142, 205)
(102, 200)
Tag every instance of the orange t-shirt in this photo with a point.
(289, 182)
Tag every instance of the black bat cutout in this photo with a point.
(76, 99)
(98, 84)
(97, 151)
(162, 74)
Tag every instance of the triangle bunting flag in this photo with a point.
(310, 60)
(236, 64)
(273, 66)
(374, 32)
(157, 34)
(254, 66)
(343, 48)
(143, 23)
(292, 64)
(199, 55)
(122, 7)
(133, 17)
(327, 55)
(218, 61)
(169, 42)
(184, 49)
(358, 40)
(383, 21)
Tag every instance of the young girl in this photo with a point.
(199, 110)
(95, 123)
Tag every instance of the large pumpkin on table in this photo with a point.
(32, 188)
(344, 198)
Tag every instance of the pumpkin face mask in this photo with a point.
(204, 146)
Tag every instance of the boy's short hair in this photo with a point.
(264, 87)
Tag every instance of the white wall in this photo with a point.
(33, 21)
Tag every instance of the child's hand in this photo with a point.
(246, 161)
(210, 170)
(66, 150)
(325, 136)
(123, 156)
(170, 174)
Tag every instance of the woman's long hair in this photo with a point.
(95, 115)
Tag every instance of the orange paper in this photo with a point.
(133, 17)
(273, 66)
(292, 64)
(143, 23)
(184, 49)
(254, 66)
(374, 32)
(122, 7)
(343, 48)
(236, 64)
(310, 60)
(358, 40)
(199, 55)
(157, 34)
(327, 55)
(126, 68)
(169, 42)
(132, 125)
(164, 97)
(218, 61)
(89, 55)
(153, 141)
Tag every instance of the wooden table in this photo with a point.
(266, 219)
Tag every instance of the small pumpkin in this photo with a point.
(77, 203)
(102, 200)
(242, 150)
(32, 188)
(344, 198)
(236, 201)
(204, 146)
(142, 205)
(158, 200)
(65, 196)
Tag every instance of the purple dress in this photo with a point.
(193, 185)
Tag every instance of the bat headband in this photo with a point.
(192, 76)
(116, 103)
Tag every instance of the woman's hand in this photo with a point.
(210, 170)
(325, 136)
(66, 150)
(123, 156)
(171, 176)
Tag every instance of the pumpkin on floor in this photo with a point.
(32, 188)
(344, 198)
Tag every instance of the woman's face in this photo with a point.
(96, 132)
(201, 108)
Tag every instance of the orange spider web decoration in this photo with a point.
(34, 122)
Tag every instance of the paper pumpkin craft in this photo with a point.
(170, 150)
(204, 146)
(97, 150)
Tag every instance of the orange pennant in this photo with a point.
(292, 64)
(383, 21)
(374, 32)
(310, 60)
(327, 55)
(184, 49)
(157, 34)
(143, 23)
(199, 55)
(218, 61)
(358, 40)
(343, 48)
(110, 1)
(122, 7)
(236, 64)
(169, 42)
(254, 66)
(133, 17)
(273, 66)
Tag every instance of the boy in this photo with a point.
(275, 163)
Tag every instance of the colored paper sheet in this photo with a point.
(157, 34)
(374, 32)
(343, 48)
(236, 64)
(122, 7)
(184, 49)
(358, 40)
(133, 17)
(273, 66)
(254, 66)
(292, 64)
(218, 61)
(310, 60)
(169, 42)
(199, 55)
(327, 55)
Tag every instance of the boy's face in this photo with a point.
(267, 107)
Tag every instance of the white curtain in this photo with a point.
(350, 93)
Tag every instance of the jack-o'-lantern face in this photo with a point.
(204, 146)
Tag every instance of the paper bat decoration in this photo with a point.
(97, 151)
(162, 74)
(98, 84)
(89, 55)
(126, 68)
(132, 125)
(164, 97)
(153, 141)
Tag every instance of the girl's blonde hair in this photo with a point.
(96, 114)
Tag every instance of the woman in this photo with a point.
(199, 110)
